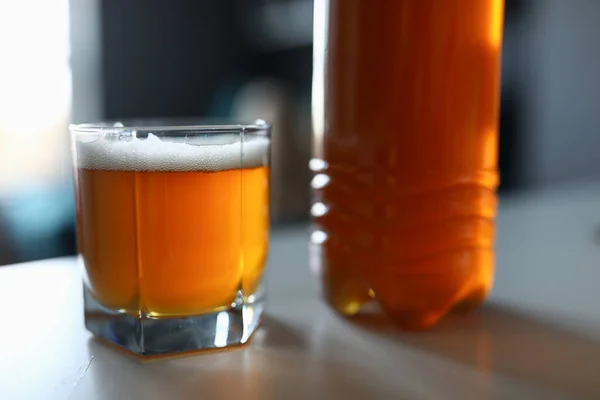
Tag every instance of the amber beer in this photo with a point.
(405, 115)
(172, 229)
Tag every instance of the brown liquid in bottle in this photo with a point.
(406, 99)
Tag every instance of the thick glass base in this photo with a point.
(147, 336)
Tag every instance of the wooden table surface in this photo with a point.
(537, 338)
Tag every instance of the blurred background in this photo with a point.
(89, 60)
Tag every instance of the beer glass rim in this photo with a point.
(177, 126)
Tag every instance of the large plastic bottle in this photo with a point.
(405, 126)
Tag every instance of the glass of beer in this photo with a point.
(405, 122)
(172, 229)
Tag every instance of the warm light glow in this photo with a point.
(496, 20)
(490, 149)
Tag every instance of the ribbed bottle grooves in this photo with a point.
(421, 252)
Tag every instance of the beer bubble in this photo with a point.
(126, 136)
(124, 151)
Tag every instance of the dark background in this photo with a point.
(164, 60)
(235, 58)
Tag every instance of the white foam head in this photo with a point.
(154, 154)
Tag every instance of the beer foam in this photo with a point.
(154, 154)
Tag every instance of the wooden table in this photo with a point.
(538, 337)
